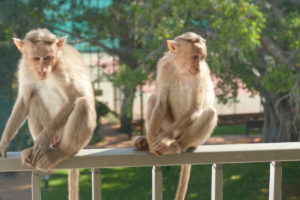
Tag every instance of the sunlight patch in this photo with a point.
(235, 177)
(193, 195)
(54, 182)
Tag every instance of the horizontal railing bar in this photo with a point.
(204, 154)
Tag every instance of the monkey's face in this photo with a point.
(41, 58)
(189, 57)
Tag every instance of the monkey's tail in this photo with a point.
(74, 184)
(183, 182)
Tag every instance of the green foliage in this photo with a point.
(129, 78)
(237, 26)
(280, 79)
(112, 118)
(96, 137)
(101, 109)
(229, 130)
(233, 130)
(22, 140)
(233, 30)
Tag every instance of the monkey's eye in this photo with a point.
(36, 58)
(47, 58)
(195, 57)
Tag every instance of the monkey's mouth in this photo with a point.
(193, 72)
(42, 76)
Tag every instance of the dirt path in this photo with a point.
(18, 186)
(15, 186)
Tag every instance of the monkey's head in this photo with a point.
(189, 49)
(41, 50)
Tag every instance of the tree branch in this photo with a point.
(260, 65)
(151, 55)
(94, 42)
(273, 49)
(293, 2)
(83, 39)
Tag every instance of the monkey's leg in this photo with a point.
(194, 134)
(77, 133)
(142, 142)
(199, 130)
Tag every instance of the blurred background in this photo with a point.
(253, 53)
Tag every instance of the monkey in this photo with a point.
(180, 114)
(55, 95)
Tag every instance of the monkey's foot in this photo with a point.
(141, 143)
(165, 146)
(50, 159)
(26, 157)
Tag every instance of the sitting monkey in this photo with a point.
(180, 114)
(56, 97)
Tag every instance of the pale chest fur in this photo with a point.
(49, 91)
(182, 89)
(187, 91)
(52, 95)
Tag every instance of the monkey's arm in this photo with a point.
(158, 113)
(15, 121)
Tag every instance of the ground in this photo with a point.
(15, 186)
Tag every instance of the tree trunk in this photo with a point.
(281, 119)
(126, 111)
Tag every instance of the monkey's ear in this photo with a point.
(173, 46)
(19, 44)
(61, 42)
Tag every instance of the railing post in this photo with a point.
(217, 182)
(35, 185)
(157, 185)
(275, 181)
(96, 184)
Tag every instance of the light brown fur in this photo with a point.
(56, 97)
(180, 114)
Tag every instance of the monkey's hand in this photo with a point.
(140, 143)
(3, 148)
(41, 146)
(165, 145)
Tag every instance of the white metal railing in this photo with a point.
(275, 153)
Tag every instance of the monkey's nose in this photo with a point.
(42, 70)
(42, 73)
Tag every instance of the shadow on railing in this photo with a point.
(275, 153)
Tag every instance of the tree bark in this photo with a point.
(281, 120)
(281, 111)
(126, 111)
